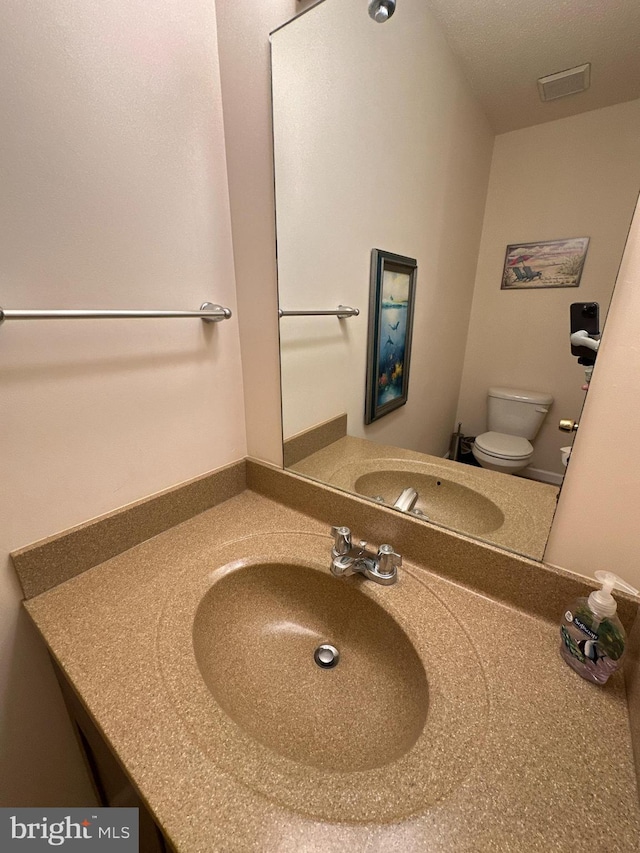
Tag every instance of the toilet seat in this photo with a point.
(502, 446)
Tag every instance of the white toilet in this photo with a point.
(515, 416)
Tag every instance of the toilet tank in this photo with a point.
(517, 412)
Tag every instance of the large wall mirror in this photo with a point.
(426, 137)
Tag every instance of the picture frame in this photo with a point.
(391, 308)
(544, 264)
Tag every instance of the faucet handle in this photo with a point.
(388, 561)
(341, 540)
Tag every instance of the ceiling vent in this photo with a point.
(564, 82)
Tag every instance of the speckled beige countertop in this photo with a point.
(529, 756)
(506, 510)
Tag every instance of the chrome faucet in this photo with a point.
(406, 500)
(347, 559)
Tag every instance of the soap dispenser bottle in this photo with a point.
(592, 636)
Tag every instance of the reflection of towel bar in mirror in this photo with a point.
(341, 312)
(208, 312)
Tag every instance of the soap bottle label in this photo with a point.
(593, 647)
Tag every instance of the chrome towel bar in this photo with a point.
(208, 312)
(341, 312)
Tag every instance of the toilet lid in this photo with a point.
(504, 446)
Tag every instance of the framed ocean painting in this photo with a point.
(391, 301)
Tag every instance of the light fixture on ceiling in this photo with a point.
(381, 10)
(564, 83)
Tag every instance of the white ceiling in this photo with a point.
(505, 45)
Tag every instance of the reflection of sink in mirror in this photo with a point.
(462, 160)
(440, 499)
(504, 510)
(255, 633)
(392, 728)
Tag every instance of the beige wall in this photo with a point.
(114, 194)
(243, 40)
(595, 526)
(576, 177)
(361, 163)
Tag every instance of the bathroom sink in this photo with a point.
(255, 634)
(440, 498)
(512, 512)
(391, 729)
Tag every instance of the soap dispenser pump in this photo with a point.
(592, 636)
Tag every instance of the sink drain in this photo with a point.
(326, 656)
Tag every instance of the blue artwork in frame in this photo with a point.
(391, 300)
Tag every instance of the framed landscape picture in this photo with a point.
(547, 263)
(391, 300)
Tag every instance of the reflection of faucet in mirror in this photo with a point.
(480, 163)
(406, 500)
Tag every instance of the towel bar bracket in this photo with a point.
(221, 313)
